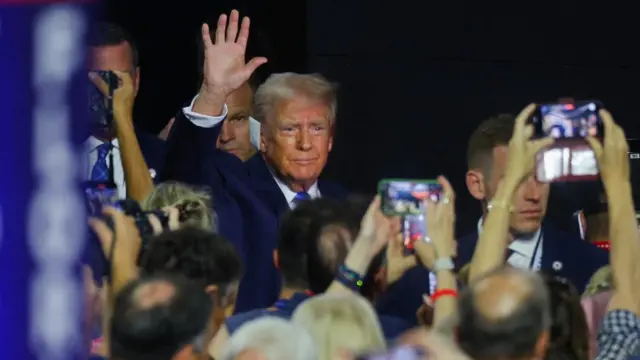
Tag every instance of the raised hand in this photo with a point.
(440, 218)
(225, 69)
(613, 153)
(123, 97)
(523, 150)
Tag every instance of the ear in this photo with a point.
(263, 139)
(330, 142)
(475, 184)
(276, 259)
(136, 81)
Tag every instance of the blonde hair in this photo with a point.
(601, 280)
(340, 322)
(287, 86)
(195, 205)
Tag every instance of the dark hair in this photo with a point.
(200, 255)
(492, 132)
(111, 34)
(569, 336)
(312, 244)
(512, 336)
(145, 328)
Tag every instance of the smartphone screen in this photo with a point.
(98, 194)
(570, 158)
(568, 121)
(404, 197)
(414, 228)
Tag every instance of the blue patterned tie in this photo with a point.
(301, 197)
(100, 171)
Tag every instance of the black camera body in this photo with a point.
(100, 106)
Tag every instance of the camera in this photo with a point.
(100, 106)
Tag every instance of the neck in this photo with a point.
(104, 136)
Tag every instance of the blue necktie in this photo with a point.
(301, 197)
(100, 171)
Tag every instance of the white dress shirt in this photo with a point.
(205, 121)
(91, 156)
(524, 250)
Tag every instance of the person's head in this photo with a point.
(206, 258)
(569, 333)
(235, 135)
(340, 323)
(297, 113)
(314, 240)
(270, 338)
(112, 48)
(159, 318)
(487, 162)
(504, 315)
(194, 205)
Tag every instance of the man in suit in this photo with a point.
(113, 49)
(297, 115)
(534, 246)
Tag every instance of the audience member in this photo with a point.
(270, 338)
(340, 323)
(505, 315)
(201, 256)
(120, 153)
(161, 318)
(194, 205)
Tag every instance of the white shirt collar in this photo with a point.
(92, 143)
(289, 194)
(524, 247)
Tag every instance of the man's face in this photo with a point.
(530, 201)
(115, 57)
(297, 138)
(235, 135)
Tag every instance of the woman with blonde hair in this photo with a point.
(342, 325)
(194, 204)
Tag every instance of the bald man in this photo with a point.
(505, 315)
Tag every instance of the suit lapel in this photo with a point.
(550, 252)
(265, 186)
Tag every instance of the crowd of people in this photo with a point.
(253, 255)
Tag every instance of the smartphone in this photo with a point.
(100, 194)
(402, 352)
(568, 121)
(401, 197)
(570, 158)
(100, 106)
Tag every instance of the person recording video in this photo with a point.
(116, 152)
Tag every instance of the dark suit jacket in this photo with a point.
(564, 254)
(246, 198)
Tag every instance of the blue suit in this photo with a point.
(153, 150)
(246, 198)
(564, 254)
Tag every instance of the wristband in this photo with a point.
(443, 292)
(349, 278)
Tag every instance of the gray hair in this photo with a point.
(287, 86)
(195, 203)
(274, 338)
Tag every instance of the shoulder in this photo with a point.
(572, 242)
(237, 320)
